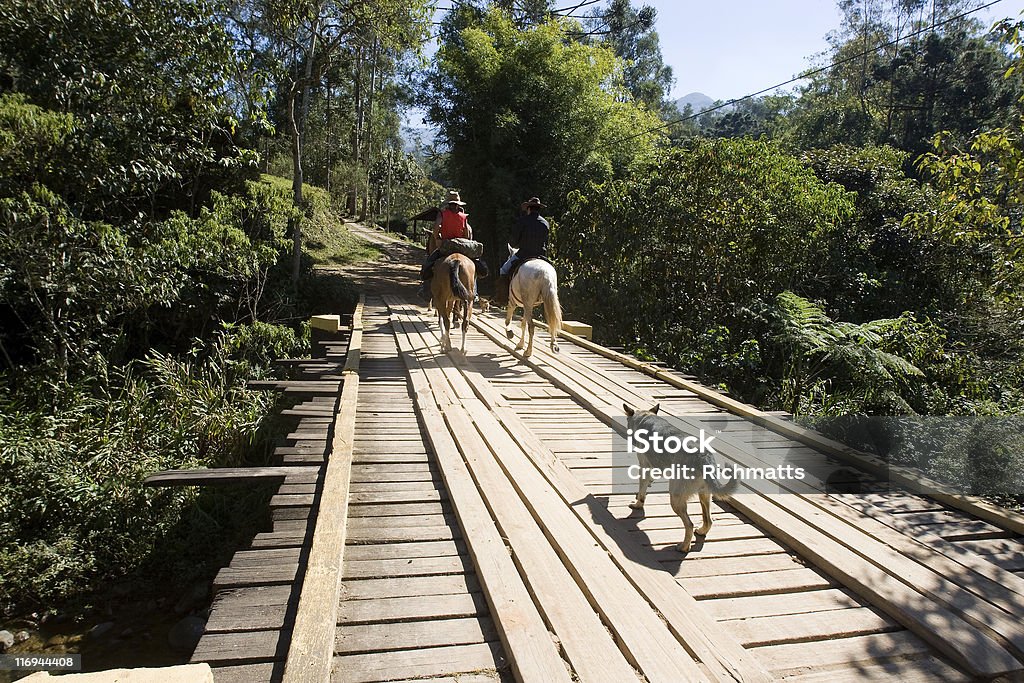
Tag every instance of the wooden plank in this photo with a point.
(412, 608)
(775, 583)
(796, 628)
(414, 635)
(520, 626)
(415, 586)
(296, 387)
(423, 663)
(912, 479)
(310, 653)
(413, 566)
(772, 605)
(226, 476)
(238, 648)
(790, 658)
(387, 551)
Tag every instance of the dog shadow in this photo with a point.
(643, 550)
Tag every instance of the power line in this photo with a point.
(801, 77)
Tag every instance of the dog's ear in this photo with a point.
(629, 411)
(657, 406)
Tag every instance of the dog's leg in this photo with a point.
(641, 494)
(705, 509)
(679, 501)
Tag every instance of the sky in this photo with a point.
(730, 48)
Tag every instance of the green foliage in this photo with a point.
(74, 512)
(140, 90)
(694, 234)
(823, 359)
(528, 112)
(934, 72)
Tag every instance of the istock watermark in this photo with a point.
(649, 441)
(968, 455)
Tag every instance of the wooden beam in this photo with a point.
(520, 625)
(225, 476)
(938, 611)
(904, 476)
(311, 650)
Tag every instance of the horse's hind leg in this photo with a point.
(465, 322)
(444, 320)
(522, 331)
(529, 324)
(510, 310)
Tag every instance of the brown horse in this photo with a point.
(453, 283)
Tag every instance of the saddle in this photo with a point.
(519, 264)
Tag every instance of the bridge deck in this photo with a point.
(487, 538)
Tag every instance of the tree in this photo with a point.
(902, 71)
(535, 114)
(301, 38)
(630, 33)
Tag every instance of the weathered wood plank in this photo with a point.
(310, 652)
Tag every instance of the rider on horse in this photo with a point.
(452, 224)
(530, 235)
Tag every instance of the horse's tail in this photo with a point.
(552, 306)
(458, 289)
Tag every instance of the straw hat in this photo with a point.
(454, 198)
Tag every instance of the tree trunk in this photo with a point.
(298, 126)
(368, 136)
(357, 81)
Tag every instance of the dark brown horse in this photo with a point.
(453, 283)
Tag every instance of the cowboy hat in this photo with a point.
(533, 201)
(454, 198)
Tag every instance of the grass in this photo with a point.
(325, 238)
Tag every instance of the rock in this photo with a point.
(127, 633)
(196, 595)
(22, 636)
(99, 630)
(6, 640)
(184, 636)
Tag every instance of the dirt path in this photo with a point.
(396, 272)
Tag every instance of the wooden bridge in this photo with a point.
(456, 518)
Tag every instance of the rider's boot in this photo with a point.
(501, 290)
(424, 292)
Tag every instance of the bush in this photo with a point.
(74, 511)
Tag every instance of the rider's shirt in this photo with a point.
(530, 234)
(453, 224)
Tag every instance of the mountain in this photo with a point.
(698, 101)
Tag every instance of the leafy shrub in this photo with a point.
(74, 511)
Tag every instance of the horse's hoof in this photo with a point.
(510, 334)
(554, 348)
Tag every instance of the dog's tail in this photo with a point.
(724, 491)
(455, 267)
